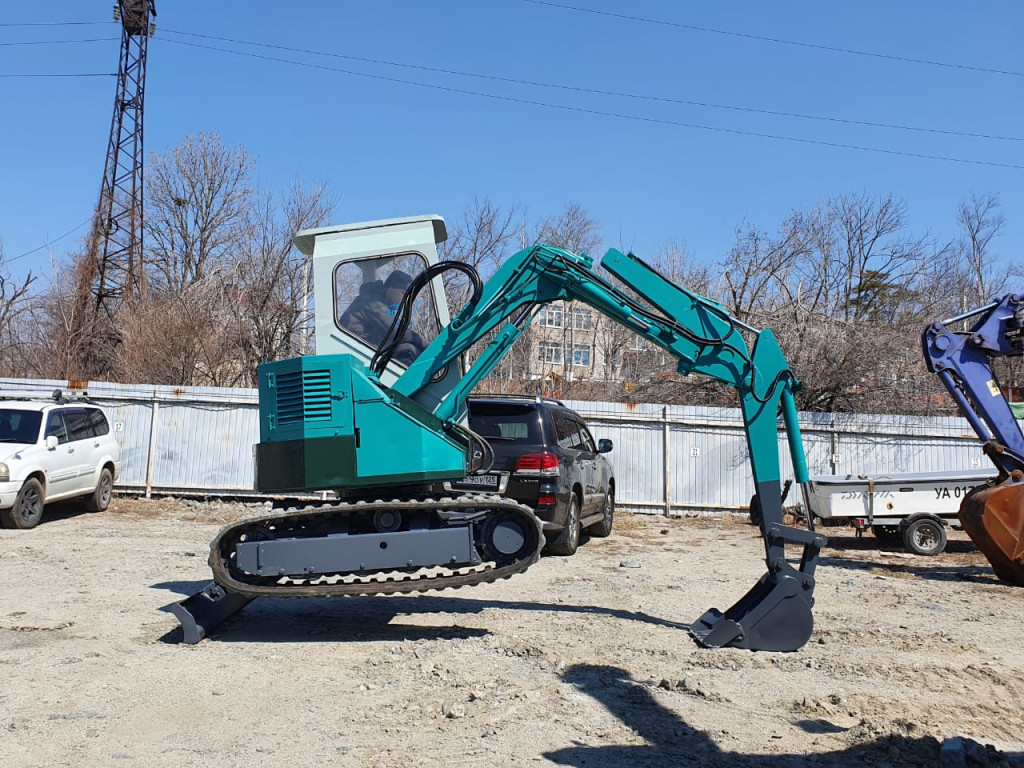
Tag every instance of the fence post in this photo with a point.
(666, 454)
(152, 448)
(833, 444)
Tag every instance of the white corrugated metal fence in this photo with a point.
(668, 459)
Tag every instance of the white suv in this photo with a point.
(52, 450)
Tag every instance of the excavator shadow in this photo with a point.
(184, 588)
(373, 619)
(671, 741)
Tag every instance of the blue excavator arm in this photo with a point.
(776, 613)
(992, 515)
(963, 363)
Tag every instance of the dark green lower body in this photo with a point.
(323, 464)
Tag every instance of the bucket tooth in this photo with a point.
(201, 613)
(993, 516)
(775, 615)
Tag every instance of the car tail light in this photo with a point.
(546, 500)
(545, 464)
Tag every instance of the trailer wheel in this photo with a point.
(925, 537)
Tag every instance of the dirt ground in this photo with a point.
(582, 661)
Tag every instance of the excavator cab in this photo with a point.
(360, 275)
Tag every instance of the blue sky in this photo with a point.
(391, 148)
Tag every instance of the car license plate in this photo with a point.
(479, 481)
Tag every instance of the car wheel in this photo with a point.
(569, 539)
(925, 537)
(99, 499)
(28, 507)
(755, 510)
(603, 527)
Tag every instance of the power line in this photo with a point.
(61, 74)
(62, 42)
(52, 23)
(599, 92)
(55, 240)
(583, 110)
(779, 40)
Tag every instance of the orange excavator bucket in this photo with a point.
(993, 516)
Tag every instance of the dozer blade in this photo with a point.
(206, 609)
(994, 519)
(775, 615)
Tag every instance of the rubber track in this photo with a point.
(394, 584)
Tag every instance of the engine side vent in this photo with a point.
(303, 396)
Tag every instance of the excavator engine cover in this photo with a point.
(993, 516)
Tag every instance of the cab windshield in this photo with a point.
(17, 426)
(367, 296)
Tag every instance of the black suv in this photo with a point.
(545, 458)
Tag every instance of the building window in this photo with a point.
(582, 319)
(551, 317)
(549, 353)
(581, 354)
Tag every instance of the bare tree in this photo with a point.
(573, 229)
(271, 281)
(227, 290)
(842, 285)
(980, 220)
(59, 334)
(13, 305)
(198, 199)
(481, 238)
(180, 338)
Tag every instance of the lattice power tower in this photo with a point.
(115, 253)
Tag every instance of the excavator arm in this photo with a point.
(331, 422)
(706, 340)
(992, 515)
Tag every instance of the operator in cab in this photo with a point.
(372, 312)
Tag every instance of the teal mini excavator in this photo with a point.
(375, 421)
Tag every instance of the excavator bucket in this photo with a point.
(993, 516)
(775, 614)
(206, 609)
(772, 616)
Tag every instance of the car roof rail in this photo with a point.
(547, 399)
(522, 398)
(64, 397)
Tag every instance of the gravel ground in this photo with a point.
(578, 662)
